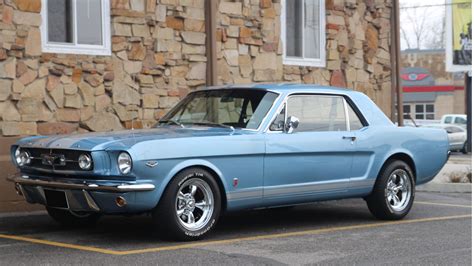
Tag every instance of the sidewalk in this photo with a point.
(457, 165)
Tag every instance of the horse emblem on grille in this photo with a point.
(53, 159)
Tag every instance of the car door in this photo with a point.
(316, 157)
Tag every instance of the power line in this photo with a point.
(434, 5)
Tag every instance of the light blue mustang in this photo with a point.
(233, 148)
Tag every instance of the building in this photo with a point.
(429, 91)
(104, 64)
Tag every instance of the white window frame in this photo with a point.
(75, 48)
(425, 113)
(302, 61)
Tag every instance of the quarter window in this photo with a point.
(318, 112)
(354, 121)
(76, 27)
(303, 32)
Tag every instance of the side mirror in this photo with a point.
(292, 123)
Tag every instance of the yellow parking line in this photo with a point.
(443, 204)
(230, 241)
(60, 244)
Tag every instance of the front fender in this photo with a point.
(183, 165)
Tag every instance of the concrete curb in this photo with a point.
(446, 187)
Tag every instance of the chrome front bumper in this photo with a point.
(84, 185)
(81, 195)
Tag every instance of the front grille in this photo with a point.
(71, 159)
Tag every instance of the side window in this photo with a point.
(459, 120)
(448, 119)
(318, 112)
(354, 121)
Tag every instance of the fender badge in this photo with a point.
(235, 182)
(151, 164)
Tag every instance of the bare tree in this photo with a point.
(436, 38)
(417, 23)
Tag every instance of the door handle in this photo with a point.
(352, 138)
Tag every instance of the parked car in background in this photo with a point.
(233, 148)
(459, 119)
(457, 136)
(418, 122)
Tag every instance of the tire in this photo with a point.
(464, 148)
(180, 200)
(386, 201)
(72, 219)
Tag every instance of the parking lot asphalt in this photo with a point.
(437, 231)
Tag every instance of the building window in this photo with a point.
(406, 111)
(76, 27)
(303, 32)
(424, 111)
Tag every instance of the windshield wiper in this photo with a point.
(212, 124)
(171, 121)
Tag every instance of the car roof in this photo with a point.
(284, 87)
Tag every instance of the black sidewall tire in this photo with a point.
(377, 202)
(464, 148)
(67, 219)
(164, 215)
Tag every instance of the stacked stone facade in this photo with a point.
(159, 55)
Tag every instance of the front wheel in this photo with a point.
(189, 207)
(73, 219)
(394, 192)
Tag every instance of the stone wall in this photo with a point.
(357, 50)
(159, 55)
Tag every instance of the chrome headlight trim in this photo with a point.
(85, 161)
(22, 157)
(124, 163)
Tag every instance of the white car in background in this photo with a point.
(457, 136)
(457, 119)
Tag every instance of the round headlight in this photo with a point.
(22, 157)
(124, 162)
(85, 162)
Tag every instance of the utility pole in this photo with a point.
(211, 71)
(468, 94)
(396, 65)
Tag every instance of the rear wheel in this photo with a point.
(189, 207)
(394, 192)
(73, 219)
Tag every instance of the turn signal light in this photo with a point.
(120, 201)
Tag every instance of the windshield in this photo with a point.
(239, 108)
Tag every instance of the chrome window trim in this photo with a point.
(295, 93)
(346, 113)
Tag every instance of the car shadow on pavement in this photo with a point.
(114, 231)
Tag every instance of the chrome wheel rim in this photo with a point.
(194, 204)
(398, 191)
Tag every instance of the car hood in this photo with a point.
(121, 139)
